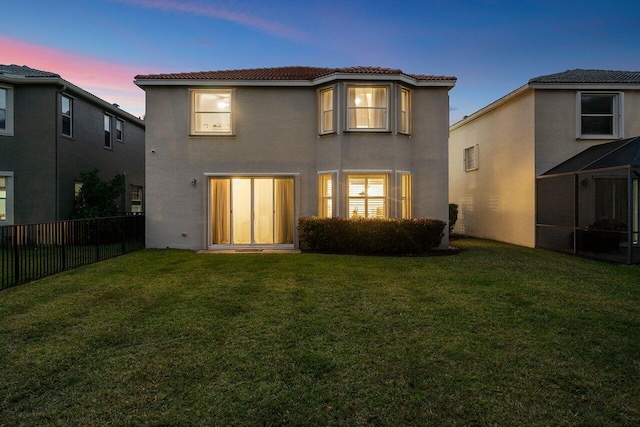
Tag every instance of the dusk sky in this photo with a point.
(491, 46)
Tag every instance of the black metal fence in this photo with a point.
(30, 252)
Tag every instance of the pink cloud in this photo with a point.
(109, 81)
(269, 27)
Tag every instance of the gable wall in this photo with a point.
(496, 201)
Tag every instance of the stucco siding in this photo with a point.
(275, 134)
(496, 201)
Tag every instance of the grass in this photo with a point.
(496, 335)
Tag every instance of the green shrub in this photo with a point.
(453, 216)
(370, 236)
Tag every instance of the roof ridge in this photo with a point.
(291, 72)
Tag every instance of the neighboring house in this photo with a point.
(50, 132)
(496, 154)
(234, 158)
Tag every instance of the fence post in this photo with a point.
(123, 232)
(16, 254)
(64, 245)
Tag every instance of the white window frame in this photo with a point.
(468, 164)
(119, 130)
(68, 116)
(404, 188)
(108, 119)
(366, 197)
(8, 128)
(617, 115)
(9, 200)
(322, 112)
(137, 196)
(323, 197)
(386, 107)
(405, 112)
(192, 112)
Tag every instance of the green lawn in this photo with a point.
(496, 335)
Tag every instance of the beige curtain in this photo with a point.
(220, 211)
(284, 210)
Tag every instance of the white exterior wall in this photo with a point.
(276, 133)
(497, 200)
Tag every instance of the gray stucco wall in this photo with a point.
(276, 133)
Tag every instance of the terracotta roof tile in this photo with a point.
(589, 76)
(284, 73)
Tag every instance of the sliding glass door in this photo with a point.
(251, 211)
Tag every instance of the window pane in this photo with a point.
(327, 99)
(66, 106)
(597, 104)
(356, 208)
(375, 208)
(213, 122)
(220, 211)
(3, 99)
(66, 125)
(213, 102)
(284, 221)
(356, 187)
(597, 125)
(375, 187)
(366, 97)
(3, 119)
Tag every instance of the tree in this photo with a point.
(97, 198)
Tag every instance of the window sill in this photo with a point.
(597, 137)
(212, 135)
(367, 131)
(70, 138)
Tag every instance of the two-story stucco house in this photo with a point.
(50, 132)
(234, 158)
(496, 154)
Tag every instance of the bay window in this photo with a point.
(405, 111)
(367, 108)
(211, 112)
(367, 196)
(327, 121)
(407, 195)
(325, 195)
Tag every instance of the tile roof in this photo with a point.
(589, 76)
(24, 71)
(284, 73)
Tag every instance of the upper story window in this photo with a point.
(107, 131)
(119, 130)
(471, 158)
(599, 115)
(367, 108)
(405, 111)
(6, 111)
(327, 117)
(211, 112)
(67, 115)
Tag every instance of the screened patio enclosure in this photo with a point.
(589, 204)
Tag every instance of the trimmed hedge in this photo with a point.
(370, 236)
